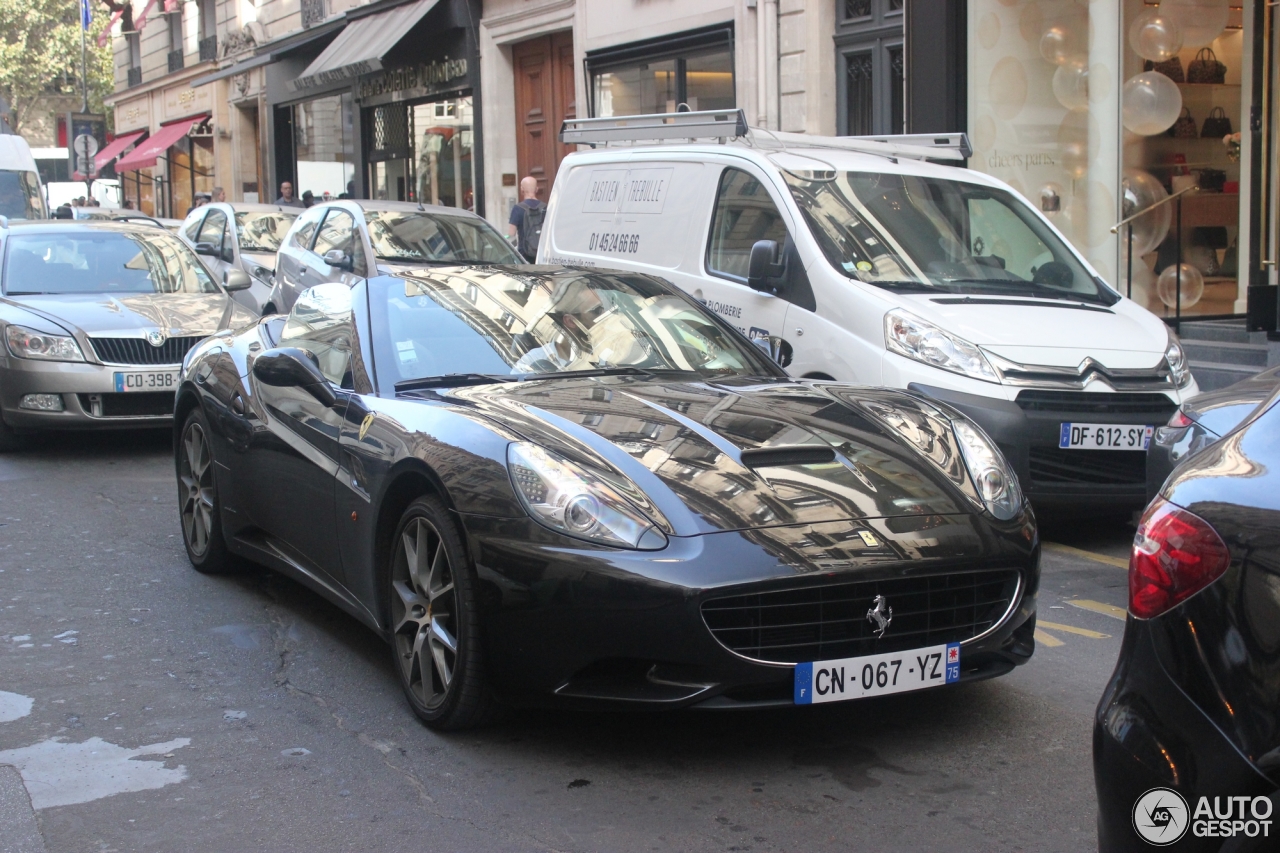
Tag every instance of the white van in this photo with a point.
(871, 264)
(20, 193)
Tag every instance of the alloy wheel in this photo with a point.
(424, 613)
(196, 477)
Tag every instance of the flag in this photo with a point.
(86, 14)
(105, 36)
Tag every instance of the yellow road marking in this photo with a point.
(1047, 639)
(1088, 555)
(1071, 629)
(1098, 607)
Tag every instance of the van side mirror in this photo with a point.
(764, 264)
(290, 367)
(338, 258)
(233, 280)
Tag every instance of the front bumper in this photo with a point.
(567, 624)
(88, 394)
(1027, 431)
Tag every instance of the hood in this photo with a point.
(1048, 331)
(729, 457)
(108, 315)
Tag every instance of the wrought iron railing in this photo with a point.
(135, 76)
(1127, 223)
(209, 49)
(312, 12)
(175, 61)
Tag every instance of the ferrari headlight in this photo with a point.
(1176, 358)
(568, 498)
(28, 343)
(906, 334)
(996, 482)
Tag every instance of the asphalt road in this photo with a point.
(150, 708)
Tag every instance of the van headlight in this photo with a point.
(571, 500)
(906, 334)
(1176, 357)
(996, 482)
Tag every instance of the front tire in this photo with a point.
(199, 509)
(9, 440)
(435, 640)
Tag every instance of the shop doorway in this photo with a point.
(1264, 192)
(422, 152)
(545, 97)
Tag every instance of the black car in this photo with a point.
(1203, 420)
(1186, 745)
(553, 485)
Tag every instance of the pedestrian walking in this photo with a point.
(286, 198)
(525, 223)
(308, 199)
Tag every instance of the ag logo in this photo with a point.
(1160, 817)
(365, 424)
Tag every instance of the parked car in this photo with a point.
(1204, 420)
(1191, 711)
(883, 269)
(348, 240)
(244, 237)
(96, 318)
(98, 214)
(596, 460)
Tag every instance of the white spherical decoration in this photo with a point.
(1151, 103)
(1139, 191)
(1192, 285)
(1071, 83)
(1201, 21)
(1057, 44)
(1155, 36)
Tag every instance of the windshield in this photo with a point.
(102, 262)
(906, 232)
(416, 237)
(509, 323)
(20, 195)
(262, 231)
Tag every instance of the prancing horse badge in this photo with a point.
(365, 424)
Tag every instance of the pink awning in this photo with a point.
(114, 147)
(105, 35)
(146, 154)
(140, 21)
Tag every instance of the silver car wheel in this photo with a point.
(424, 610)
(196, 477)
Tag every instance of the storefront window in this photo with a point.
(324, 145)
(423, 152)
(657, 77)
(190, 172)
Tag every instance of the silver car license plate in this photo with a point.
(146, 380)
(1105, 436)
(877, 675)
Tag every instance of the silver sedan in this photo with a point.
(95, 320)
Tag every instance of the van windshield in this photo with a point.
(912, 233)
(20, 195)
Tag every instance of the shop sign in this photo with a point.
(182, 101)
(133, 115)
(427, 75)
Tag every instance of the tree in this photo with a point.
(40, 55)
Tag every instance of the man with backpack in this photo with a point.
(526, 219)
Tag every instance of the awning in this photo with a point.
(114, 147)
(146, 154)
(361, 47)
(140, 21)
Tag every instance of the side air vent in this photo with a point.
(776, 457)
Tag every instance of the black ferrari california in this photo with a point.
(553, 485)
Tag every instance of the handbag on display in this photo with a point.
(1216, 124)
(1184, 127)
(1204, 259)
(1206, 68)
(1230, 263)
(1211, 180)
(1171, 68)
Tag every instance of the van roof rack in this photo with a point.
(731, 126)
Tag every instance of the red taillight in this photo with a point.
(1180, 420)
(1175, 555)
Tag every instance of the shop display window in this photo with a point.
(423, 152)
(703, 79)
(324, 144)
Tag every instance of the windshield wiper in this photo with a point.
(629, 370)
(452, 380)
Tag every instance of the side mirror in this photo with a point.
(207, 249)
(290, 367)
(763, 265)
(233, 280)
(338, 258)
(228, 254)
(780, 350)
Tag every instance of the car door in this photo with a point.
(337, 233)
(294, 459)
(291, 259)
(744, 213)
